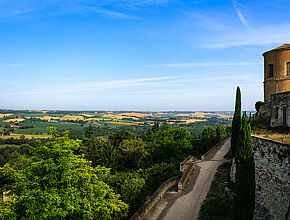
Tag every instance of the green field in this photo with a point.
(35, 123)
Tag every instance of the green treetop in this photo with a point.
(236, 121)
(59, 185)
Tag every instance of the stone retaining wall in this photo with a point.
(272, 173)
(210, 154)
(192, 170)
(189, 168)
(150, 203)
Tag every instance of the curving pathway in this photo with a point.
(186, 205)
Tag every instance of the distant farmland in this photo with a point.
(35, 123)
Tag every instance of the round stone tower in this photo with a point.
(276, 71)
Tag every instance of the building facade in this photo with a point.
(276, 71)
(280, 110)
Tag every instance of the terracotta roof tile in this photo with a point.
(283, 46)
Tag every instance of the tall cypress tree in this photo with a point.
(245, 174)
(236, 122)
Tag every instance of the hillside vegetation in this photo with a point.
(97, 176)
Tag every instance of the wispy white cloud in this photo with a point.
(263, 35)
(95, 86)
(13, 65)
(110, 13)
(208, 64)
(239, 13)
(139, 2)
(207, 22)
(76, 6)
(241, 17)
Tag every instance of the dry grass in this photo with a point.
(5, 115)
(135, 114)
(188, 121)
(49, 118)
(88, 115)
(182, 115)
(113, 116)
(94, 119)
(282, 137)
(14, 120)
(118, 117)
(208, 114)
(72, 118)
(121, 123)
(29, 136)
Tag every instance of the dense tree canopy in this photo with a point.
(57, 184)
(100, 177)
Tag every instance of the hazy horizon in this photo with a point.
(94, 110)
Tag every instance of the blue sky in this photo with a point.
(136, 54)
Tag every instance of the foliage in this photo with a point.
(258, 123)
(219, 203)
(6, 211)
(258, 104)
(117, 137)
(57, 184)
(170, 145)
(245, 174)
(159, 173)
(236, 121)
(210, 137)
(136, 187)
(130, 185)
(100, 151)
(51, 179)
(132, 151)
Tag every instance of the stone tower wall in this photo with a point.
(280, 82)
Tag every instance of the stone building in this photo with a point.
(280, 109)
(276, 71)
(277, 86)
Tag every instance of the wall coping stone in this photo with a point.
(271, 140)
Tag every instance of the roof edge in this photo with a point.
(282, 47)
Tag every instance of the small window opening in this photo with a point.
(288, 68)
(276, 112)
(271, 70)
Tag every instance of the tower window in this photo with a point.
(271, 70)
(276, 112)
(288, 68)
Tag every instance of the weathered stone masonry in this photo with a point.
(272, 178)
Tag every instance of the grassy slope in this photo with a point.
(219, 203)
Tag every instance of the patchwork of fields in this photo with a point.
(35, 123)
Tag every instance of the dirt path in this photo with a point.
(185, 205)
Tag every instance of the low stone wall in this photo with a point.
(210, 154)
(272, 168)
(192, 170)
(150, 203)
(188, 167)
(188, 160)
